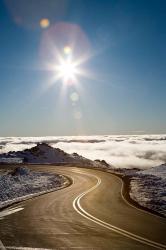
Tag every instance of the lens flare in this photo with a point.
(44, 23)
(74, 97)
(67, 50)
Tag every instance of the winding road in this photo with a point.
(90, 214)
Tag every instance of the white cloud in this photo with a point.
(141, 151)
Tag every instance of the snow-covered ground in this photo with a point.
(148, 188)
(21, 183)
(158, 171)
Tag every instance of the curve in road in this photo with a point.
(100, 220)
(77, 206)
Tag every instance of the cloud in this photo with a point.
(141, 151)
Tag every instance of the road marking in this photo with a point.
(9, 211)
(25, 248)
(31, 248)
(77, 206)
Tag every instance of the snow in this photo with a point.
(148, 188)
(22, 183)
(159, 171)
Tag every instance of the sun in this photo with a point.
(67, 68)
(67, 71)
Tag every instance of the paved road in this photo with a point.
(89, 214)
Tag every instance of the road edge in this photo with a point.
(68, 181)
(126, 192)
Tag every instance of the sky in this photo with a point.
(121, 49)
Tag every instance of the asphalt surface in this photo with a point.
(89, 214)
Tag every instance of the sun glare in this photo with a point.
(67, 70)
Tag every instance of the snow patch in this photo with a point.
(22, 183)
(148, 188)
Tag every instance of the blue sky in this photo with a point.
(127, 40)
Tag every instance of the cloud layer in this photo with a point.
(141, 151)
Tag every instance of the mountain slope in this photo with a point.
(43, 153)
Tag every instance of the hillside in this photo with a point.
(43, 153)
